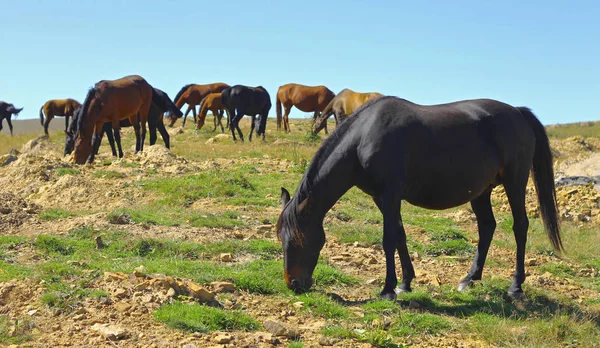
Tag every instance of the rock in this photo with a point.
(298, 304)
(372, 260)
(238, 234)
(327, 341)
(223, 136)
(140, 269)
(121, 293)
(7, 159)
(226, 257)
(119, 219)
(373, 281)
(171, 292)
(223, 286)
(200, 293)
(32, 312)
(338, 258)
(264, 228)
(5, 210)
(223, 338)
(278, 328)
(110, 332)
(122, 307)
(531, 262)
(78, 317)
(210, 141)
(110, 276)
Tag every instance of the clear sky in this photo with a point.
(541, 54)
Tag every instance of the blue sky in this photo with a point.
(541, 54)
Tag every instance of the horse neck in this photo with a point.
(329, 182)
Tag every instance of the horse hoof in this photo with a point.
(464, 285)
(518, 295)
(388, 296)
(400, 290)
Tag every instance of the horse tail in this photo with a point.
(42, 115)
(86, 104)
(278, 111)
(181, 91)
(543, 176)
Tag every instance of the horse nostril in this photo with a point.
(296, 285)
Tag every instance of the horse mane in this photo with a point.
(86, 104)
(291, 214)
(181, 91)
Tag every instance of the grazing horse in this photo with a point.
(211, 102)
(249, 101)
(6, 112)
(111, 101)
(305, 98)
(343, 105)
(58, 107)
(161, 103)
(192, 95)
(435, 157)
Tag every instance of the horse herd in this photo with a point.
(126, 102)
(435, 157)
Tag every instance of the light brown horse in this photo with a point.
(192, 95)
(213, 103)
(304, 98)
(58, 107)
(343, 105)
(111, 101)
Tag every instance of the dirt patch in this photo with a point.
(14, 211)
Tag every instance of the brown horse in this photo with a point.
(305, 98)
(192, 95)
(213, 103)
(6, 112)
(58, 107)
(343, 105)
(111, 101)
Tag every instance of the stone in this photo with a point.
(7, 159)
(223, 338)
(223, 136)
(238, 234)
(278, 328)
(171, 292)
(264, 228)
(110, 332)
(110, 276)
(200, 293)
(122, 307)
(121, 293)
(531, 262)
(298, 304)
(210, 141)
(223, 286)
(414, 305)
(32, 312)
(372, 260)
(226, 257)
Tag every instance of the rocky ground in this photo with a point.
(37, 179)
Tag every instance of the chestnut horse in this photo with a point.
(343, 105)
(305, 98)
(192, 95)
(111, 101)
(6, 112)
(211, 102)
(58, 107)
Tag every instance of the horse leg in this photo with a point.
(96, 138)
(486, 225)
(164, 134)
(66, 123)
(108, 129)
(10, 126)
(152, 127)
(194, 113)
(286, 114)
(49, 118)
(186, 114)
(117, 132)
(221, 120)
(251, 128)
(515, 184)
(143, 127)
(394, 238)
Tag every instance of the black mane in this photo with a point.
(181, 91)
(85, 106)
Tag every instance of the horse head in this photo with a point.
(300, 248)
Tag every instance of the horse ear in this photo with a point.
(285, 197)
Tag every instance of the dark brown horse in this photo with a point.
(240, 101)
(58, 107)
(111, 101)
(305, 98)
(435, 157)
(213, 103)
(343, 105)
(6, 112)
(192, 95)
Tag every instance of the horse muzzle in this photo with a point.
(299, 285)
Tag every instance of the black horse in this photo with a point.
(248, 101)
(161, 103)
(435, 157)
(6, 112)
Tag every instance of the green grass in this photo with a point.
(55, 214)
(9, 271)
(109, 174)
(584, 129)
(157, 214)
(21, 333)
(321, 305)
(204, 319)
(67, 171)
